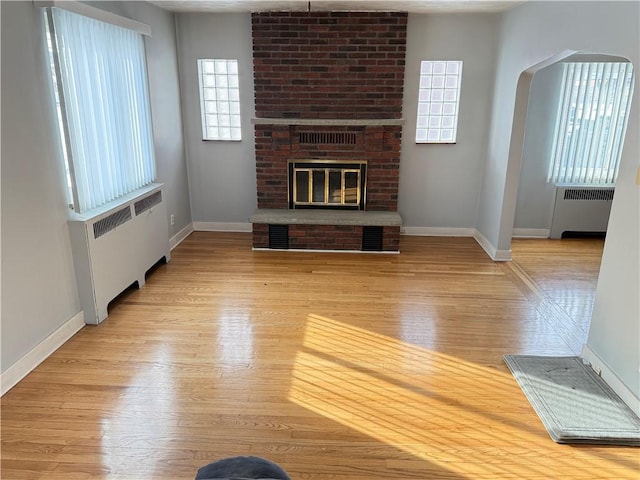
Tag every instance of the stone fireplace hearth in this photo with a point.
(328, 88)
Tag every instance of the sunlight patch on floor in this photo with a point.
(436, 407)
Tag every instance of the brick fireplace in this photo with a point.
(328, 86)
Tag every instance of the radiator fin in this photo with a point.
(330, 138)
(148, 202)
(588, 194)
(106, 224)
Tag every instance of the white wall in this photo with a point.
(222, 175)
(530, 34)
(614, 336)
(536, 196)
(440, 184)
(39, 290)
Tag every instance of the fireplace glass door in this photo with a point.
(326, 186)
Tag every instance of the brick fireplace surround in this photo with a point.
(328, 72)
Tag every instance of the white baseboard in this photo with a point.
(531, 233)
(437, 231)
(178, 238)
(495, 254)
(601, 367)
(221, 227)
(40, 353)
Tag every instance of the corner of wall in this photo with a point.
(492, 250)
(24, 366)
(179, 237)
(601, 368)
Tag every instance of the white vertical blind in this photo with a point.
(591, 123)
(105, 100)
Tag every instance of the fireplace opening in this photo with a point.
(327, 184)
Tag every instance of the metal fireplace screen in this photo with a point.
(323, 184)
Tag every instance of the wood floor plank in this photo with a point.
(337, 366)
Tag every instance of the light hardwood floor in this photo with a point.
(336, 366)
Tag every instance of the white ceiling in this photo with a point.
(416, 6)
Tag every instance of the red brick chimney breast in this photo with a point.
(343, 69)
(347, 65)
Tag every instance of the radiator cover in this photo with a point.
(114, 247)
(581, 209)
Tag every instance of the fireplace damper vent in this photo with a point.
(328, 138)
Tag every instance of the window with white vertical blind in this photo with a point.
(100, 79)
(219, 99)
(591, 122)
(438, 100)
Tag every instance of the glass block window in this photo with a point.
(438, 99)
(219, 99)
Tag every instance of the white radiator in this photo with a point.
(581, 209)
(115, 246)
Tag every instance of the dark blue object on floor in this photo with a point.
(242, 468)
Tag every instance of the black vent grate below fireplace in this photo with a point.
(372, 238)
(279, 237)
